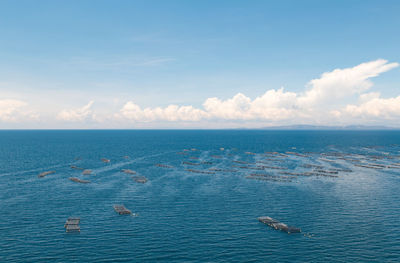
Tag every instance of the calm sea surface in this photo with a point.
(344, 194)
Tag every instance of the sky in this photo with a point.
(198, 64)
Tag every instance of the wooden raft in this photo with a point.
(278, 225)
(122, 210)
(72, 224)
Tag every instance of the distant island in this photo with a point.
(321, 127)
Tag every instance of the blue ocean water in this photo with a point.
(188, 216)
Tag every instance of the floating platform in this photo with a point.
(198, 171)
(77, 180)
(122, 210)
(72, 224)
(140, 179)
(164, 165)
(278, 225)
(222, 170)
(265, 178)
(190, 163)
(46, 173)
(128, 171)
(87, 172)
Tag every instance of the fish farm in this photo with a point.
(268, 167)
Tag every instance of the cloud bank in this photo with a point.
(314, 103)
(341, 96)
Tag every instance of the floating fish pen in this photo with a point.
(294, 174)
(312, 166)
(327, 160)
(182, 153)
(272, 167)
(368, 166)
(208, 163)
(104, 160)
(376, 165)
(87, 172)
(164, 165)
(319, 174)
(77, 180)
(297, 154)
(249, 167)
(345, 170)
(216, 156)
(46, 173)
(190, 163)
(273, 176)
(140, 179)
(222, 170)
(128, 171)
(122, 210)
(194, 158)
(354, 161)
(278, 225)
(76, 167)
(72, 224)
(199, 171)
(334, 154)
(325, 171)
(268, 179)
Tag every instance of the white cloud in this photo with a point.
(12, 110)
(375, 107)
(337, 97)
(279, 105)
(272, 105)
(133, 112)
(341, 83)
(77, 115)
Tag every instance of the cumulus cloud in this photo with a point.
(339, 96)
(12, 110)
(281, 105)
(77, 115)
(134, 112)
(375, 107)
(272, 105)
(341, 83)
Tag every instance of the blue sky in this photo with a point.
(57, 57)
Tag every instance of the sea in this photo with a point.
(204, 193)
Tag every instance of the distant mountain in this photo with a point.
(319, 127)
